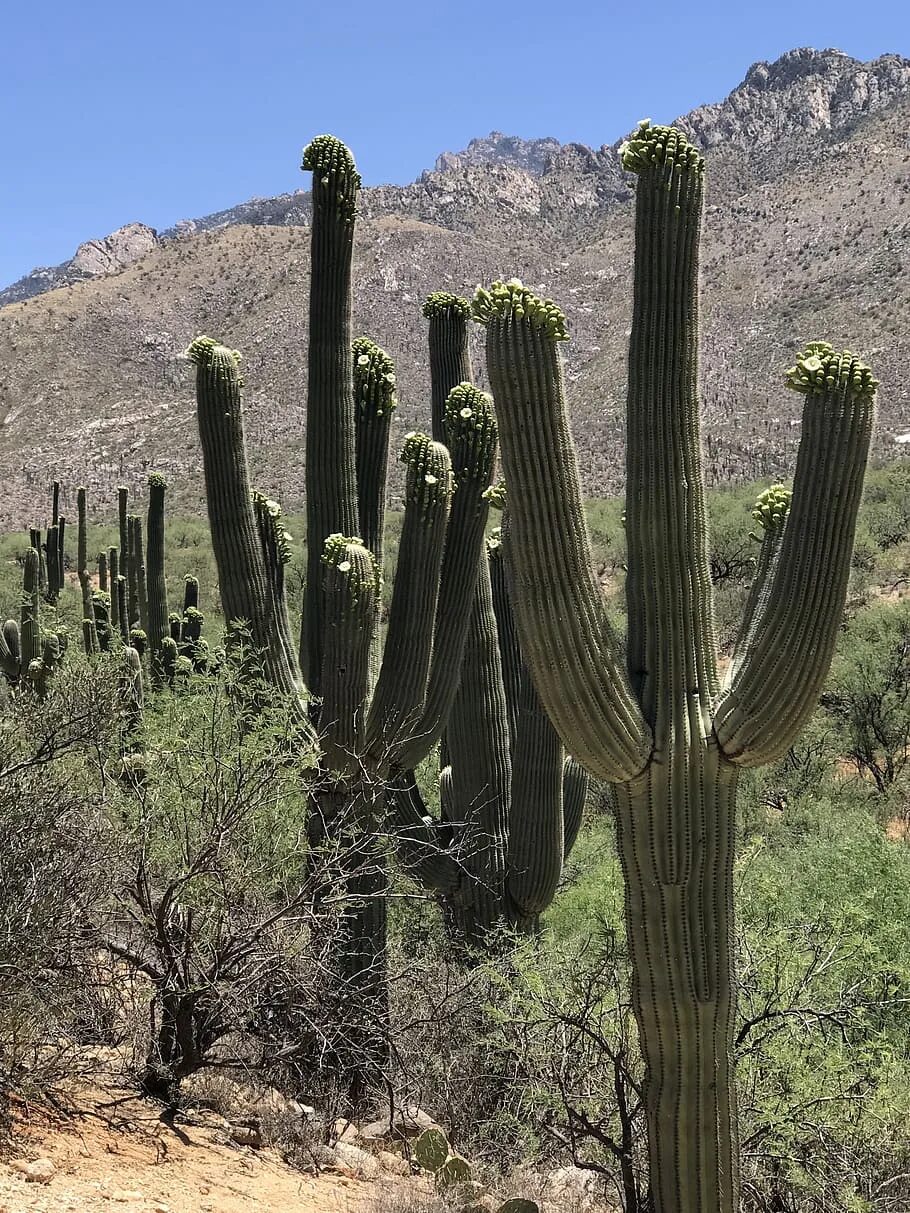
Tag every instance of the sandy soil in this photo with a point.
(121, 1157)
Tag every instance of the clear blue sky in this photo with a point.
(162, 111)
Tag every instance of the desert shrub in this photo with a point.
(58, 853)
(867, 696)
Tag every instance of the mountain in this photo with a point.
(807, 233)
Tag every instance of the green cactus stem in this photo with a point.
(374, 403)
(330, 444)
(450, 360)
(89, 636)
(55, 503)
(10, 650)
(662, 730)
(30, 620)
(471, 437)
(121, 594)
(190, 593)
(132, 572)
(156, 581)
(401, 689)
(101, 613)
(137, 564)
(123, 518)
(250, 545)
(131, 702)
(784, 659)
(350, 591)
(102, 572)
(52, 549)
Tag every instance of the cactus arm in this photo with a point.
(154, 564)
(61, 552)
(418, 838)
(123, 519)
(536, 825)
(120, 591)
(401, 689)
(776, 685)
(89, 636)
(480, 775)
(471, 438)
(30, 619)
(249, 590)
(566, 637)
(55, 503)
(506, 630)
(671, 640)
(132, 579)
(53, 564)
(142, 597)
(374, 403)
(770, 513)
(350, 588)
(450, 360)
(331, 505)
(10, 650)
(190, 592)
(101, 613)
(102, 572)
(575, 783)
(276, 552)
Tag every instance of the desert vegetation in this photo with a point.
(573, 839)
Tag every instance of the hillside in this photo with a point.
(807, 233)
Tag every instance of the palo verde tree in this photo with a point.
(656, 721)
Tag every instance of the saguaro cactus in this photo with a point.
(156, 582)
(658, 725)
(510, 803)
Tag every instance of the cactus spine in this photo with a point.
(662, 729)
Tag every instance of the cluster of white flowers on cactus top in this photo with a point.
(772, 507)
(442, 303)
(332, 165)
(659, 145)
(819, 368)
(513, 301)
(374, 378)
(268, 518)
(471, 432)
(207, 352)
(347, 555)
(429, 478)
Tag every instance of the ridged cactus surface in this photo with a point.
(653, 719)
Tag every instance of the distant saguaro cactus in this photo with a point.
(656, 722)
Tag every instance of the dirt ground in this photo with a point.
(116, 1155)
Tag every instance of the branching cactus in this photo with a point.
(510, 802)
(656, 722)
(372, 717)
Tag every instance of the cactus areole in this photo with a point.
(656, 721)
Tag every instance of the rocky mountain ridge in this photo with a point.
(806, 235)
(803, 93)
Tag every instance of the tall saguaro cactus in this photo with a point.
(658, 725)
(510, 803)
